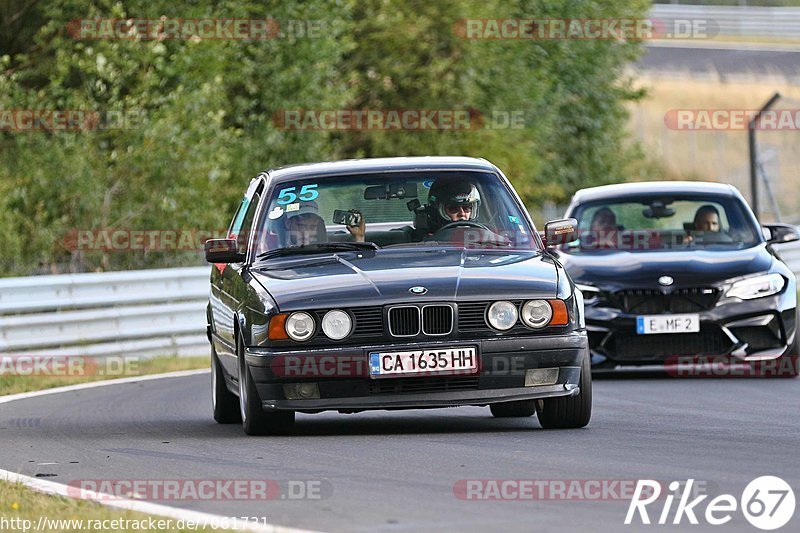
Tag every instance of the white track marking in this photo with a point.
(58, 489)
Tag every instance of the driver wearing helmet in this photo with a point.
(451, 201)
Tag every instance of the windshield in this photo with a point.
(471, 209)
(650, 223)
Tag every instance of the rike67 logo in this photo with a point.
(767, 502)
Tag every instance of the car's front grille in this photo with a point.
(471, 316)
(368, 323)
(437, 319)
(422, 385)
(654, 301)
(410, 321)
(404, 321)
(711, 340)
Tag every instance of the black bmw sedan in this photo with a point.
(681, 272)
(392, 284)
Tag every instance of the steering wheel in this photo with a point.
(462, 223)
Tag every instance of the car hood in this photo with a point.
(623, 269)
(374, 278)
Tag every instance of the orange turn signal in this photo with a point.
(560, 315)
(277, 327)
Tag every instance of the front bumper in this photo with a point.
(753, 330)
(343, 381)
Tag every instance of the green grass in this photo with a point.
(19, 503)
(95, 370)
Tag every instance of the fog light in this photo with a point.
(301, 391)
(535, 377)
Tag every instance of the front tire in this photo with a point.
(224, 403)
(569, 411)
(256, 421)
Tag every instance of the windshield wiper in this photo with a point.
(491, 243)
(456, 244)
(319, 249)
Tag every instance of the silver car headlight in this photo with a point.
(337, 324)
(300, 326)
(756, 287)
(502, 315)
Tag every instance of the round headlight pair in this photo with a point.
(336, 325)
(535, 314)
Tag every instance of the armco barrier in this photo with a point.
(142, 312)
(742, 21)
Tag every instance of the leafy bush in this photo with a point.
(203, 110)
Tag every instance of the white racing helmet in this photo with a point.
(453, 193)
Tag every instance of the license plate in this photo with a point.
(667, 324)
(463, 359)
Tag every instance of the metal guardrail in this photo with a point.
(790, 254)
(735, 20)
(143, 313)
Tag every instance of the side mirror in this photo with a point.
(223, 251)
(781, 233)
(557, 232)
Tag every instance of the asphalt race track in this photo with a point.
(396, 471)
(737, 59)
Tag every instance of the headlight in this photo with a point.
(502, 315)
(756, 287)
(537, 313)
(336, 324)
(300, 326)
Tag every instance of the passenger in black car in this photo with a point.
(305, 226)
(603, 229)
